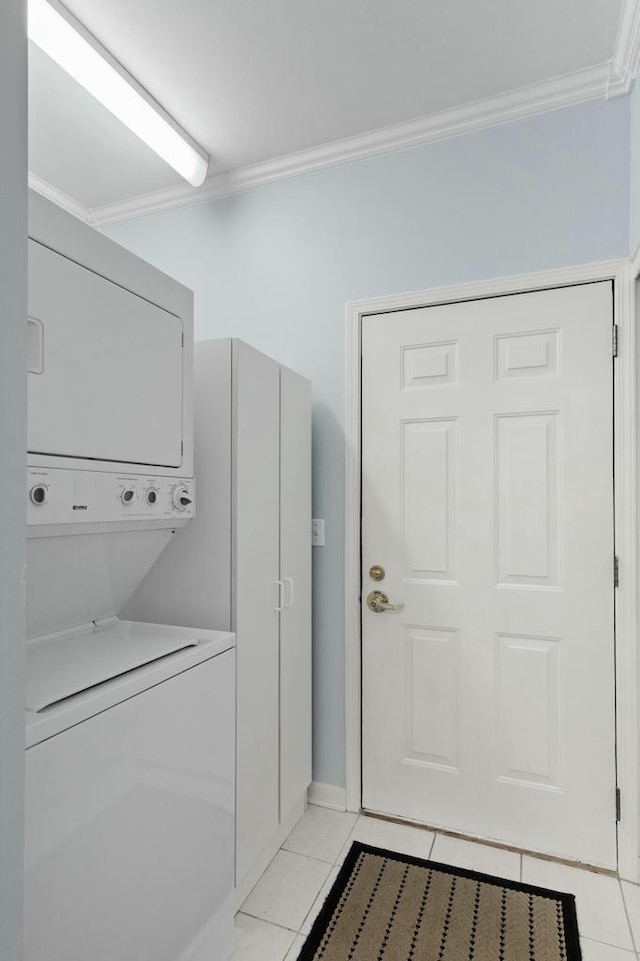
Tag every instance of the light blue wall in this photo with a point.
(13, 402)
(276, 266)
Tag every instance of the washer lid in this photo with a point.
(61, 667)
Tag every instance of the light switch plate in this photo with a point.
(317, 533)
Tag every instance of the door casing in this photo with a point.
(623, 274)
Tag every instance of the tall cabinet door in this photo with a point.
(256, 429)
(295, 571)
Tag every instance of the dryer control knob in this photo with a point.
(181, 498)
(127, 496)
(39, 494)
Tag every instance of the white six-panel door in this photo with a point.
(487, 491)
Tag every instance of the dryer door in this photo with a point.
(105, 368)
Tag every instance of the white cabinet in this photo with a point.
(244, 564)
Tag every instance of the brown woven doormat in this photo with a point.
(389, 907)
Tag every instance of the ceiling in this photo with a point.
(255, 80)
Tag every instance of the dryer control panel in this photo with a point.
(95, 497)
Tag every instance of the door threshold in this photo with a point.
(594, 869)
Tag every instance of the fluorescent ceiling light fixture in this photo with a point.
(65, 40)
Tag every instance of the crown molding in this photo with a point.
(610, 79)
(583, 85)
(61, 199)
(626, 57)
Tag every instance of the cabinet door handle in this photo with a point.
(280, 595)
(289, 581)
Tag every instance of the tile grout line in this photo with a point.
(628, 916)
(330, 864)
(607, 944)
(313, 904)
(433, 844)
(334, 864)
(275, 924)
(260, 879)
(310, 856)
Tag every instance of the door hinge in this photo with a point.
(614, 340)
(616, 571)
(617, 804)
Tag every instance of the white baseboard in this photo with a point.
(327, 795)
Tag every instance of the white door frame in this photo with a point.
(623, 274)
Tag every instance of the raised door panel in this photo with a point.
(428, 461)
(527, 502)
(295, 571)
(431, 685)
(256, 468)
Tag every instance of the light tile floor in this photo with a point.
(278, 914)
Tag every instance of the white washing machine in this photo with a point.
(130, 796)
(129, 726)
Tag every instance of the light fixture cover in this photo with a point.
(65, 40)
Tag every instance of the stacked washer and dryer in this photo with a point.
(129, 726)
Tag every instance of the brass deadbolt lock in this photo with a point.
(376, 572)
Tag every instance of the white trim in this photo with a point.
(327, 795)
(624, 65)
(592, 83)
(61, 199)
(352, 669)
(628, 661)
(626, 531)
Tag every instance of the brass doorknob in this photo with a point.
(378, 602)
